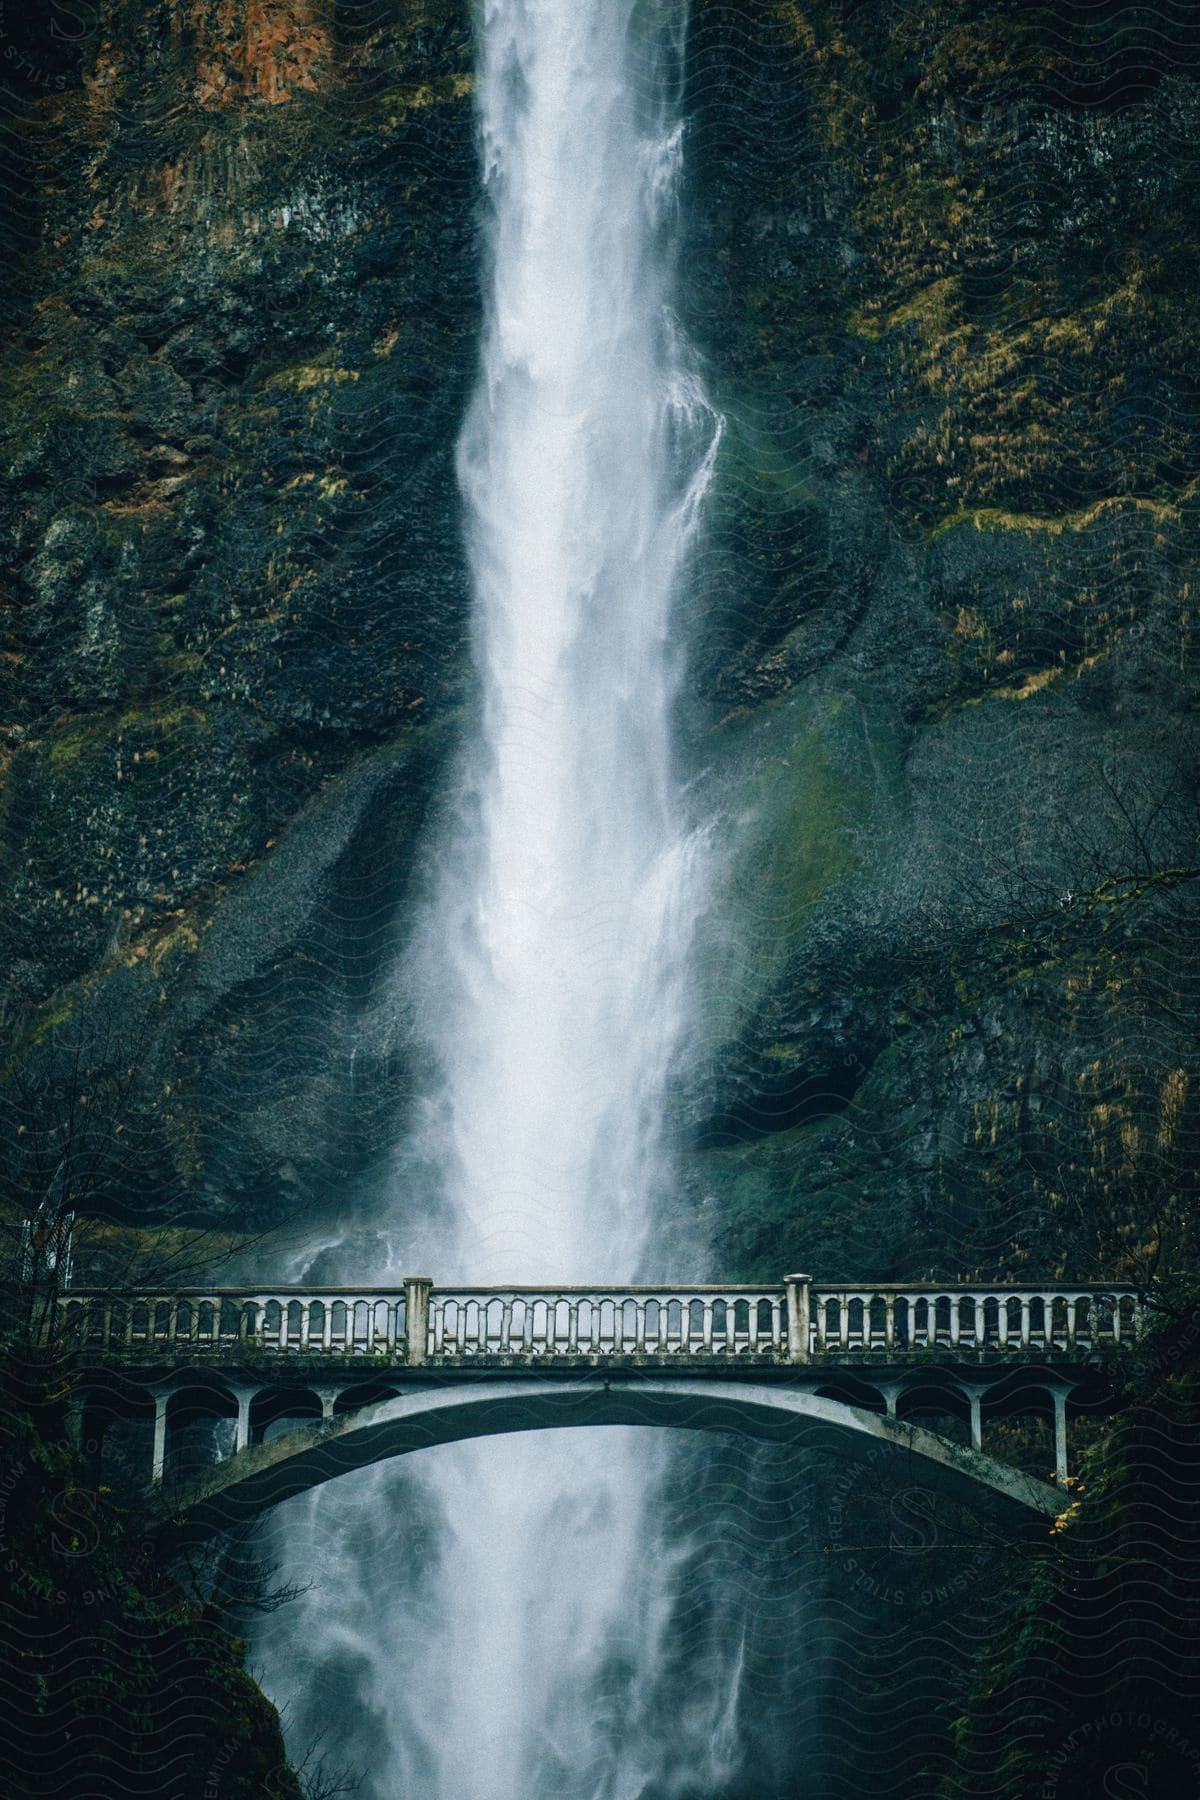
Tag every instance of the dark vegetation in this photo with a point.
(115, 1681)
(1093, 1675)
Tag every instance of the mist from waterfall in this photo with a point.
(497, 1612)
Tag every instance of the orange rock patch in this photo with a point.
(262, 50)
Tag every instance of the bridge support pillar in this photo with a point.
(327, 1396)
(1060, 1436)
(75, 1420)
(796, 1288)
(976, 1399)
(416, 1315)
(159, 1461)
(242, 1437)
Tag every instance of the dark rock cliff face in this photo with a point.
(940, 262)
(233, 378)
(941, 659)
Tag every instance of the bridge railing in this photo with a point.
(332, 1321)
(921, 1318)
(582, 1321)
(417, 1324)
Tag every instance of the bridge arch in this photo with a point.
(257, 1478)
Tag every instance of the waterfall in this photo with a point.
(566, 901)
(507, 1657)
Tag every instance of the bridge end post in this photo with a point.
(417, 1290)
(796, 1291)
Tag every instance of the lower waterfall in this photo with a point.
(486, 1623)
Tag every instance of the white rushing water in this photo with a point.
(567, 900)
(509, 1660)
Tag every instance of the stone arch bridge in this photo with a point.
(315, 1382)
